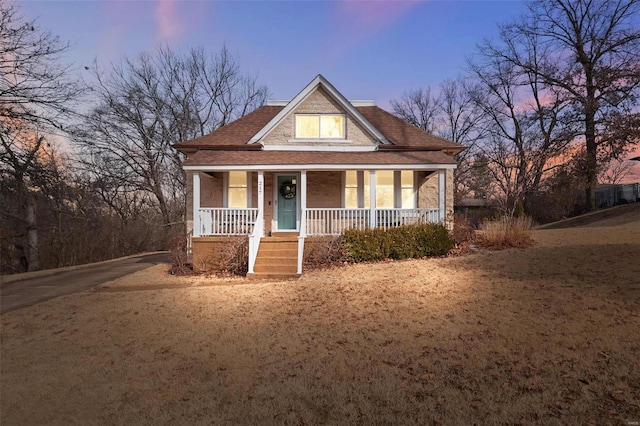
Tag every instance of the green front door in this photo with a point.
(287, 202)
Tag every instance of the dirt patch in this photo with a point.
(544, 335)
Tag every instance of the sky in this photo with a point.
(374, 50)
(367, 49)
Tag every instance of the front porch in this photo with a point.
(309, 210)
(315, 221)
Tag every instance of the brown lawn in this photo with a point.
(544, 335)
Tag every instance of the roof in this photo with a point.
(317, 160)
(397, 131)
(237, 132)
(401, 133)
(398, 144)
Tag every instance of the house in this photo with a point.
(312, 166)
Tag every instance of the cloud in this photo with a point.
(353, 24)
(370, 17)
(167, 20)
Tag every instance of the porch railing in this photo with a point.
(390, 218)
(254, 241)
(333, 221)
(318, 221)
(224, 221)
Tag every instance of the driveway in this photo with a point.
(19, 294)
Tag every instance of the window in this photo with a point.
(407, 194)
(237, 190)
(394, 189)
(320, 126)
(384, 189)
(351, 189)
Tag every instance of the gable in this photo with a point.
(318, 102)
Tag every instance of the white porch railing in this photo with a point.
(254, 241)
(335, 221)
(224, 221)
(390, 218)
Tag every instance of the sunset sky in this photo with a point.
(368, 49)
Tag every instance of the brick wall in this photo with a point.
(428, 192)
(324, 189)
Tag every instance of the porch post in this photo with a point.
(442, 183)
(303, 219)
(372, 199)
(303, 203)
(196, 204)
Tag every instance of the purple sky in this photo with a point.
(367, 49)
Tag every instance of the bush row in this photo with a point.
(410, 241)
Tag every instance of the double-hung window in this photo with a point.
(407, 191)
(320, 126)
(237, 190)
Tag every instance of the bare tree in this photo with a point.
(616, 171)
(527, 121)
(35, 102)
(148, 104)
(418, 107)
(460, 121)
(453, 115)
(591, 55)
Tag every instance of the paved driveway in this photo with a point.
(18, 294)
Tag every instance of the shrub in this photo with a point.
(507, 232)
(323, 251)
(180, 264)
(462, 230)
(230, 256)
(366, 245)
(409, 241)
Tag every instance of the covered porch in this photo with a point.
(304, 203)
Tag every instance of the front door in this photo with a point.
(287, 202)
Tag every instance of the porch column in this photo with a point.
(261, 202)
(303, 219)
(372, 199)
(303, 203)
(442, 190)
(196, 204)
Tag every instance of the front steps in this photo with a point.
(277, 258)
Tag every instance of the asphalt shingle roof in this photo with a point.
(400, 133)
(315, 158)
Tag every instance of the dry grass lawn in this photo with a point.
(544, 335)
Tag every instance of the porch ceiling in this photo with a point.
(416, 160)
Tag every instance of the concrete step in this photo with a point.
(275, 269)
(277, 253)
(276, 260)
(289, 235)
(270, 276)
(278, 240)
